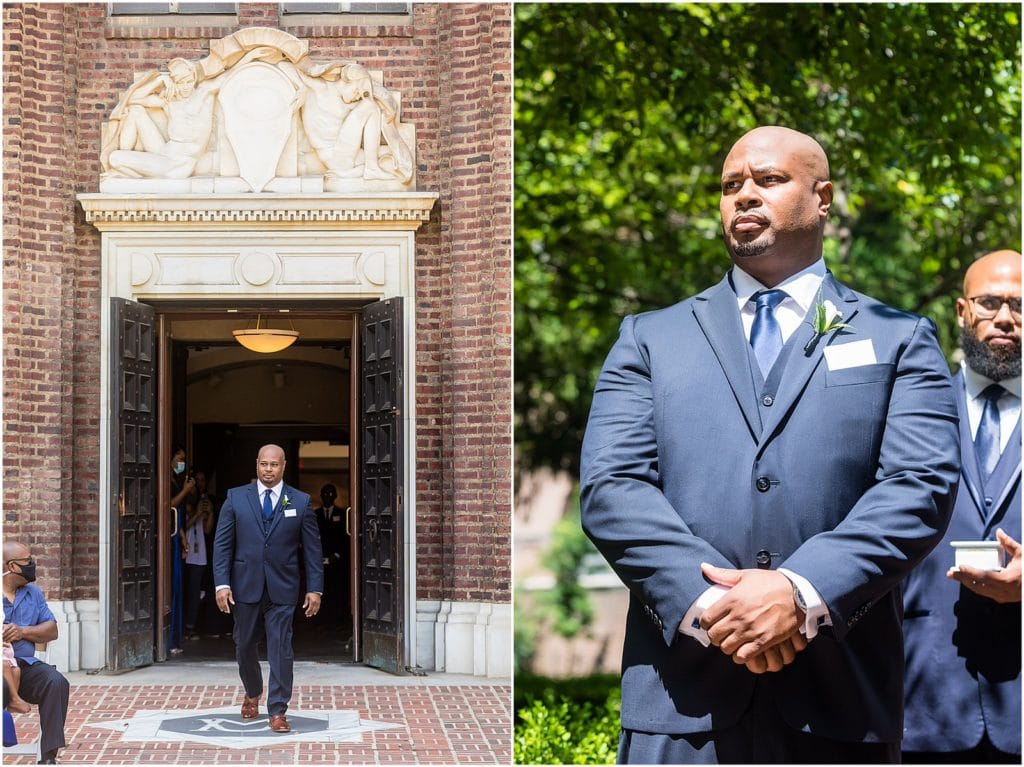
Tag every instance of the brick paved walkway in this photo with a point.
(437, 724)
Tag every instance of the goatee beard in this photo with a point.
(997, 365)
(748, 249)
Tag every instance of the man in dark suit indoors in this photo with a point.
(962, 628)
(256, 569)
(763, 465)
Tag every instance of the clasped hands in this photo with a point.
(756, 622)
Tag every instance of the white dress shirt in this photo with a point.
(802, 293)
(1009, 406)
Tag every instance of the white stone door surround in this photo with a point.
(245, 247)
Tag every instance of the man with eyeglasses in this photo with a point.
(28, 620)
(962, 626)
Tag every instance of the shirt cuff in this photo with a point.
(817, 611)
(690, 625)
(218, 588)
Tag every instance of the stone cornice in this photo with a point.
(366, 210)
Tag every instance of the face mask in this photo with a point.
(179, 467)
(28, 571)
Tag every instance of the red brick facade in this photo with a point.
(65, 66)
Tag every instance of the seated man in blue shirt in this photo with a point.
(28, 620)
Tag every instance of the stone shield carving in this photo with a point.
(258, 104)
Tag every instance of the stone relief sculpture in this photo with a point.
(162, 126)
(258, 115)
(345, 116)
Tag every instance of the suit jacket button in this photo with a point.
(767, 400)
(988, 501)
(763, 558)
(762, 484)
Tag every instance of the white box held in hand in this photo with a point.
(984, 555)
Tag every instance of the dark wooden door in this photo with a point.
(132, 448)
(382, 569)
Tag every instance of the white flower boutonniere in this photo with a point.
(284, 502)
(825, 318)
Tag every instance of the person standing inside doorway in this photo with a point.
(334, 537)
(181, 487)
(198, 524)
(256, 572)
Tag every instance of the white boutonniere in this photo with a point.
(284, 502)
(825, 318)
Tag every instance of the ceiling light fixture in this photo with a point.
(265, 340)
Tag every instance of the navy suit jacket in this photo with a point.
(846, 477)
(247, 554)
(963, 651)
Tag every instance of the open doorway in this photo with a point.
(151, 411)
(224, 402)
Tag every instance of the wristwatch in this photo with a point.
(799, 599)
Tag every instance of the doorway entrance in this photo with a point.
(225, 403)
(331, 401)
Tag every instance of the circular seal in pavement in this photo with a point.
(226, 726)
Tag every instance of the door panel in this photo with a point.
(132, 378)
(380, 501)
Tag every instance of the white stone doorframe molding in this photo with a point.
(255, 246)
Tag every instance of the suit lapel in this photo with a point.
(801, 364)
(255, 506)
(716, 313)
(969, 458)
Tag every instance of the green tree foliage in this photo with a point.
(567, 604)
(524, 635)
(624, 114)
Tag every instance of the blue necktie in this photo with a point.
(986, 440)
(765, 334)
(268, 507)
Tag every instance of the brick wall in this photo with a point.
(65, 67)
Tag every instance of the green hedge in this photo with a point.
(566, 721)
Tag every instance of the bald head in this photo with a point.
(802, 147)
(275, 451)
(15, 550)
(999, 266)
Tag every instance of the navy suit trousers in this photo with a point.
(761, 736)
(276, 621)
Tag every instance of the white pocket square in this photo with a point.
(850, 355)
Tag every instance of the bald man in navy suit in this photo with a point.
(256, 572)
(763, 465)
(962, 628)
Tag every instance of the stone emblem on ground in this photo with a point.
(225, 728)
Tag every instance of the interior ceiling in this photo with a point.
(219, 329)
(218, 359)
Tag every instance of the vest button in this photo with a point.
(762, 484)
(767, 400)
(988, 501)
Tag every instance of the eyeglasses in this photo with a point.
(986, 307)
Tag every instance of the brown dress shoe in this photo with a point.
(250, 707)
(278, 723)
